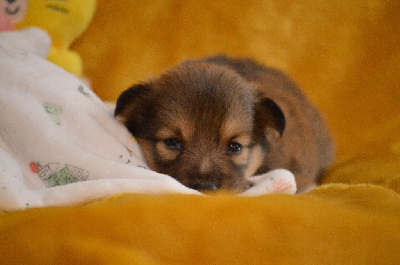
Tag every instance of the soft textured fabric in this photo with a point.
(336, 224)
(344, 55)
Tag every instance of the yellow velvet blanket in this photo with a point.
(336, 224)
(345, 56)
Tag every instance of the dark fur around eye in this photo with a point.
(173, 144)
(234, 148)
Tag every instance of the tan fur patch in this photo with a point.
(243, 158)
(232, 128)
(243, 139)
(187, 129)
(146, 148)
(181, 129)
(165, 153)
(232, 131)
(205, 166)
(256, 158)
(165, 133)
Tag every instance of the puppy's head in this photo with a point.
(201, 124)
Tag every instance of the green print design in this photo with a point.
(62, 177)
(54, 112)
(53, 176)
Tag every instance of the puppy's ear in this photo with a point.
(130, 102)
(268, 115)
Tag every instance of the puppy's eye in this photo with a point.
(234, 148)
(173, 144)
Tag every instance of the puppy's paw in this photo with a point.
(275, 181)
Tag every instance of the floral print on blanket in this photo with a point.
(56, 174)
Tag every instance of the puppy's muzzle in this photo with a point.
(204, 181)
(204, 186)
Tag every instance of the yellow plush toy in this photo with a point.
(63, 20)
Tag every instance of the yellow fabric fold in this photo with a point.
(335, 224)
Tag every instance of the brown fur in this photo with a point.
(190, 120)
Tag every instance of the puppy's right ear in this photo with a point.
(269, 117)
(130, 101)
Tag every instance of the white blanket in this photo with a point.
(59, 143)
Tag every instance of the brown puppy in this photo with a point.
(213, 123)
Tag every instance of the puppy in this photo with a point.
(215, 122)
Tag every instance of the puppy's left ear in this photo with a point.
(268, 115)
(131, 101)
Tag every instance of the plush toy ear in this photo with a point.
(130, 103)
(269, 115)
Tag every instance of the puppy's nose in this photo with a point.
(204, 186)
